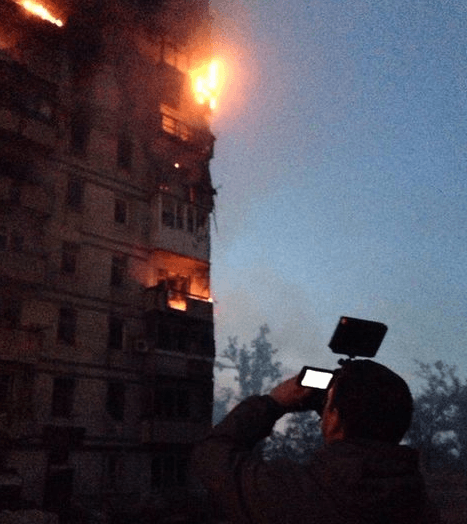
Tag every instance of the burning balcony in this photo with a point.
(193, 137)
(162, 298)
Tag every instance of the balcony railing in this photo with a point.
(195, 137)
(160, 298)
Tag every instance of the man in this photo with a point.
(361, 475)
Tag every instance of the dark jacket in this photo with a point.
(346, 482)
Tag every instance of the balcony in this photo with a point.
(27, 105)
(24, 194)
(198, 139)
(160, 298)
(20, 344)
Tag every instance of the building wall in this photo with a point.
(107, 343)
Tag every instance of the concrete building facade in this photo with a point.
(106, 317)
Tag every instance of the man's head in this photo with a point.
(367, 400)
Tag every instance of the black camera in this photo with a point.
(353, 337)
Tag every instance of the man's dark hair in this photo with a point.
(373, 401)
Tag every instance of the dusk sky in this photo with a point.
(340, 166)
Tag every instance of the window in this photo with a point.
(5, 392)
(172, 82)
(67, 325)
(190, 219)
(10, 312)
(118, 270)
(120, 211)
(124, 150)
(17, 242)
(179, 215)
(115, 338)
(3, 239)
(168, 211)
(115, 404)
(75, 193)
(70, 252)
(169, 470)
(62, 397)
(80, 130)
(171, 403)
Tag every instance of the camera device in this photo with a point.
(353, 337)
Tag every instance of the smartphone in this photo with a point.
(357, 338)
(318, 378)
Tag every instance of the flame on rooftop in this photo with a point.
(207, 82)
(39, 10)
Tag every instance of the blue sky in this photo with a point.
(340, 164)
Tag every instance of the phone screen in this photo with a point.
(315, 377)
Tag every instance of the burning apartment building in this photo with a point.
(106, 317)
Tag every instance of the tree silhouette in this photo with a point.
(255, 367)
(439, 424)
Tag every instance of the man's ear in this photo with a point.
(331, 423)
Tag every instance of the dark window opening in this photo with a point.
(80, 131)
(17, 242)
(118, 271)
(171, 403)
(120, 211)
(179, 215)
(168, 212)
(124, 151)
(169, 470)
(5, 393)
(10, 312)
(75, 193)
(115, 404)
(190, 220)
(62, 397)
(115, 337)
(70, 252)
(67, 325)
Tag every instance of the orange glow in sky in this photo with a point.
(40, 11)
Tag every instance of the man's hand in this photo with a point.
(293, 397)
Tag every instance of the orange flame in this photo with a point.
(40, 11)
(207, 83)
